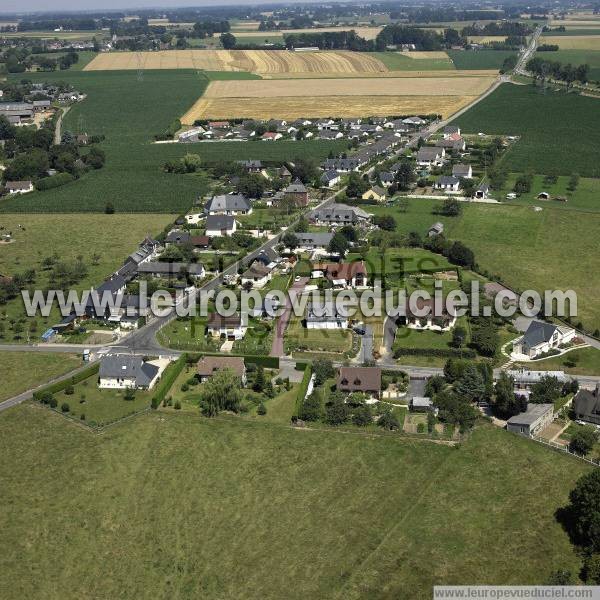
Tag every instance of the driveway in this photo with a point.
(282, 323)
(366, 345)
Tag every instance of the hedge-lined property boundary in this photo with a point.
(269, 362)
(54, 388)
(441, 352)
(167, 380)
(303, 386)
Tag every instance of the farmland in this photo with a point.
(482, 59)
(369, 33)
(524, 111)
(381, 552)
(577, 57)
(296, 98)
(129, 111)
(410, 61)
(577, 42)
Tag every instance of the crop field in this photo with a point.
(59, 35)
(263, 62)
(415, 61)
(176, 516)
(480, 59)
(368, 33)
(296, 98)
(526, 111)
(486, 39)
(577, 57)
(576, 42)
(570, 32)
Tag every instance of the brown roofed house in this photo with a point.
(433, 317)
(350, 274)
(360, 379)
(208, 365)
(232, 328)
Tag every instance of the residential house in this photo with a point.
(532, 421)
(360, 379)
(450, 130)
(422, 404)
(436, 229)
(461, 170)
(297, 193)
(453, 142)
(425, 314)
(100, 299)
(586, 405)
(252, 166)
(482, 191)
(540, 338)
(429, 156)
(339, 214)
(171, 269)
(327, 134)
(122, 371)
(525, 379)
(313, 241)
(207, 366)
(330, 179)
(256, 276)
(18, 187)
(325, 316)
(233, 327)
(448, 183)
(220, 225)
(177, 237)
(387, 179)
(375, 193)
(414, 121)
(349, 274)
(268, 257)
(271, 136)
(228, 204)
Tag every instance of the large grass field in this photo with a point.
(396, 61)
(525, 248)
(22, 371)
(129, 112)
(175, 505)
(480, 59)
(559, 132)
(102, 241)
(576, 57)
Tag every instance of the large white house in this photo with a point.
(325, 316)
(122, 371)
(228, 204)
(233, 327)
(540, 338)
(257, 275)
(220, 225)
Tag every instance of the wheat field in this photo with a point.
(293, 98)
(255, 61)
(368, 33)
(576, 42)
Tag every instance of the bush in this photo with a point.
(155, 403)
(53, 402)
(54, 181)
(421, 428)
(69, 390)
(177, 405)
(64, 407)
(262, 409)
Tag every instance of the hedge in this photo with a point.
(269, 362)
(301, 366)
(167, 380)
(54, 388)
(440, 352)
(303, 387)
(54, 181)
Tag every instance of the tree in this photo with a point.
(228, 41)
(471, 385)
(323, 370)
(434, 385)
(357, 186)
(450, 208)
(262, 409)
(305, 169)
(459, 337)
(573, 182)
(338, 244)
(583, 440)
(459, 254)
(405, 176)
(349, 233)
(96, 157)
(336, 409)
(362, 415)
(220, 392)
(506, 403)
(591, 569)
(290, 240)
(259, 380)
(546, 391)
(389, 421)
(64, 407)
(560, 577)
(312, 408)
(385, 222)
(109, 209)
(584, 512)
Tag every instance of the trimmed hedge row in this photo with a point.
(167, 380)
(54, 181)
(303, 387)
(441, 352)
(54, 388)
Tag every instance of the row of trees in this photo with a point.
(543, 69)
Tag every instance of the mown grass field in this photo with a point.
(570, 144)
(480, 59)
(576, 42)
(129, 112)
(526, 249)
(587, 362)
(22, 371)
(175, 505)
(576, 57)
(397, 61)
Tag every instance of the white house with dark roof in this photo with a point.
(532, 421)
(220, 225)
(429, 156)
(461, 170)
(330, 179)
(325, 316)
(122, 371)
(540, 338)
(313, 241)
(448, 183)
(339, 214)
(228, 204)
(18, 187)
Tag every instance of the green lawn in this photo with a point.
(259, 40)
(587, 362)
(168, 503)
(103, 242)
(479, 59)
(569, 144)
(299, 339)
(396, 61)
(22, 371)
(569, 32)
(101, 406)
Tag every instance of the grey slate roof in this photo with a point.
(295, 188)
(329, 176)
(339, 213)
(448, 180)
(586, 405)
(227, 202)
(123, 366)
(460, 170)
(167, 268)
(538, 332)
(314, 239)
(177, 236)
(219, 222)
(531, 415)
(322, 312)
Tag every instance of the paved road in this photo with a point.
(528, 52)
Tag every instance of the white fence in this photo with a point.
(565, 449)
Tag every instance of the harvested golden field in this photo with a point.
(423, 54)
(576, 42)
(486, 39)
(369, 33)
(387, 74)
(323, 106)
(255, 61)
(576, 23)
(293, 98)
(403, 86)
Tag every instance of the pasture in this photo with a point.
(569, 145)
(413, 61)
(320, 98)
(480, 59)
(194, 495)
(22, 371)
(577, 57)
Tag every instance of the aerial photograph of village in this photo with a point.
(299, 300)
